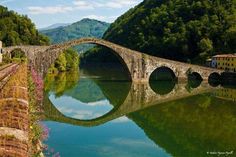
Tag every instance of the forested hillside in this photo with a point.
(80, 29)
(18, 29)
(185, 30)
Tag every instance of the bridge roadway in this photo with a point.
(139, 65)
(140, 96)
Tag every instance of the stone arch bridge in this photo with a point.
(139, 65)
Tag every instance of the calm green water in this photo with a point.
(97, 113)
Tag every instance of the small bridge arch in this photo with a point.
(139, 65)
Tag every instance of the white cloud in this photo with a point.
(101, 18)
(98, 103)
(5, 1)
(118, 3)
(77, 5)
(133, 142)
(113, 4)
(83, 5)
(121, 120)
(80, 114)
(97, 17)
(49, 10)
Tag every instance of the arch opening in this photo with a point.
(16, 55)
(67, 60)
(95, 57)
(52, 113)
(105, 62)
(194, 80)
(162, 80)
(195, 76)
(100, 74)
(214, 79)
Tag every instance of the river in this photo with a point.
(98, 113)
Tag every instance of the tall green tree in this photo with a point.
(18, 29)
(68, 60)
(176, 29)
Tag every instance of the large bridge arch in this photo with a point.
(139, 65)
(45, 60)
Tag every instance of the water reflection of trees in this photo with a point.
(187, 127)
(191, 126)
(112, 82)
(95, 86)
(61, 82)
(162, 87)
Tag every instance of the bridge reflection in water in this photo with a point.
(184, 121)
(139, 97)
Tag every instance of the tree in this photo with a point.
(60, 63)
(72, 59)
(18, 29)
(231, 38)
(68, 60)
(176, 29)
(205, 45)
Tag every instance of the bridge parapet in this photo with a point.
(139, 65)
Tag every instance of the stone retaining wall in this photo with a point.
(14, 113)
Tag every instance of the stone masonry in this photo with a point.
(139, 65)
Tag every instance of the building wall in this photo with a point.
(214, 63)
(226, 63)
(226, 93)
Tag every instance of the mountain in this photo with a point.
(54, 26)
(180, 30)
(18, 29)
(80, 29)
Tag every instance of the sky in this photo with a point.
(47, 12)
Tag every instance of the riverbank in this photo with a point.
(14, 113)
(20, 132)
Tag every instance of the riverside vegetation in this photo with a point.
(22, 116)
(18, 29)
(189, 31)
(67, 61)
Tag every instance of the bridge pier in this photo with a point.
(139, 65)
